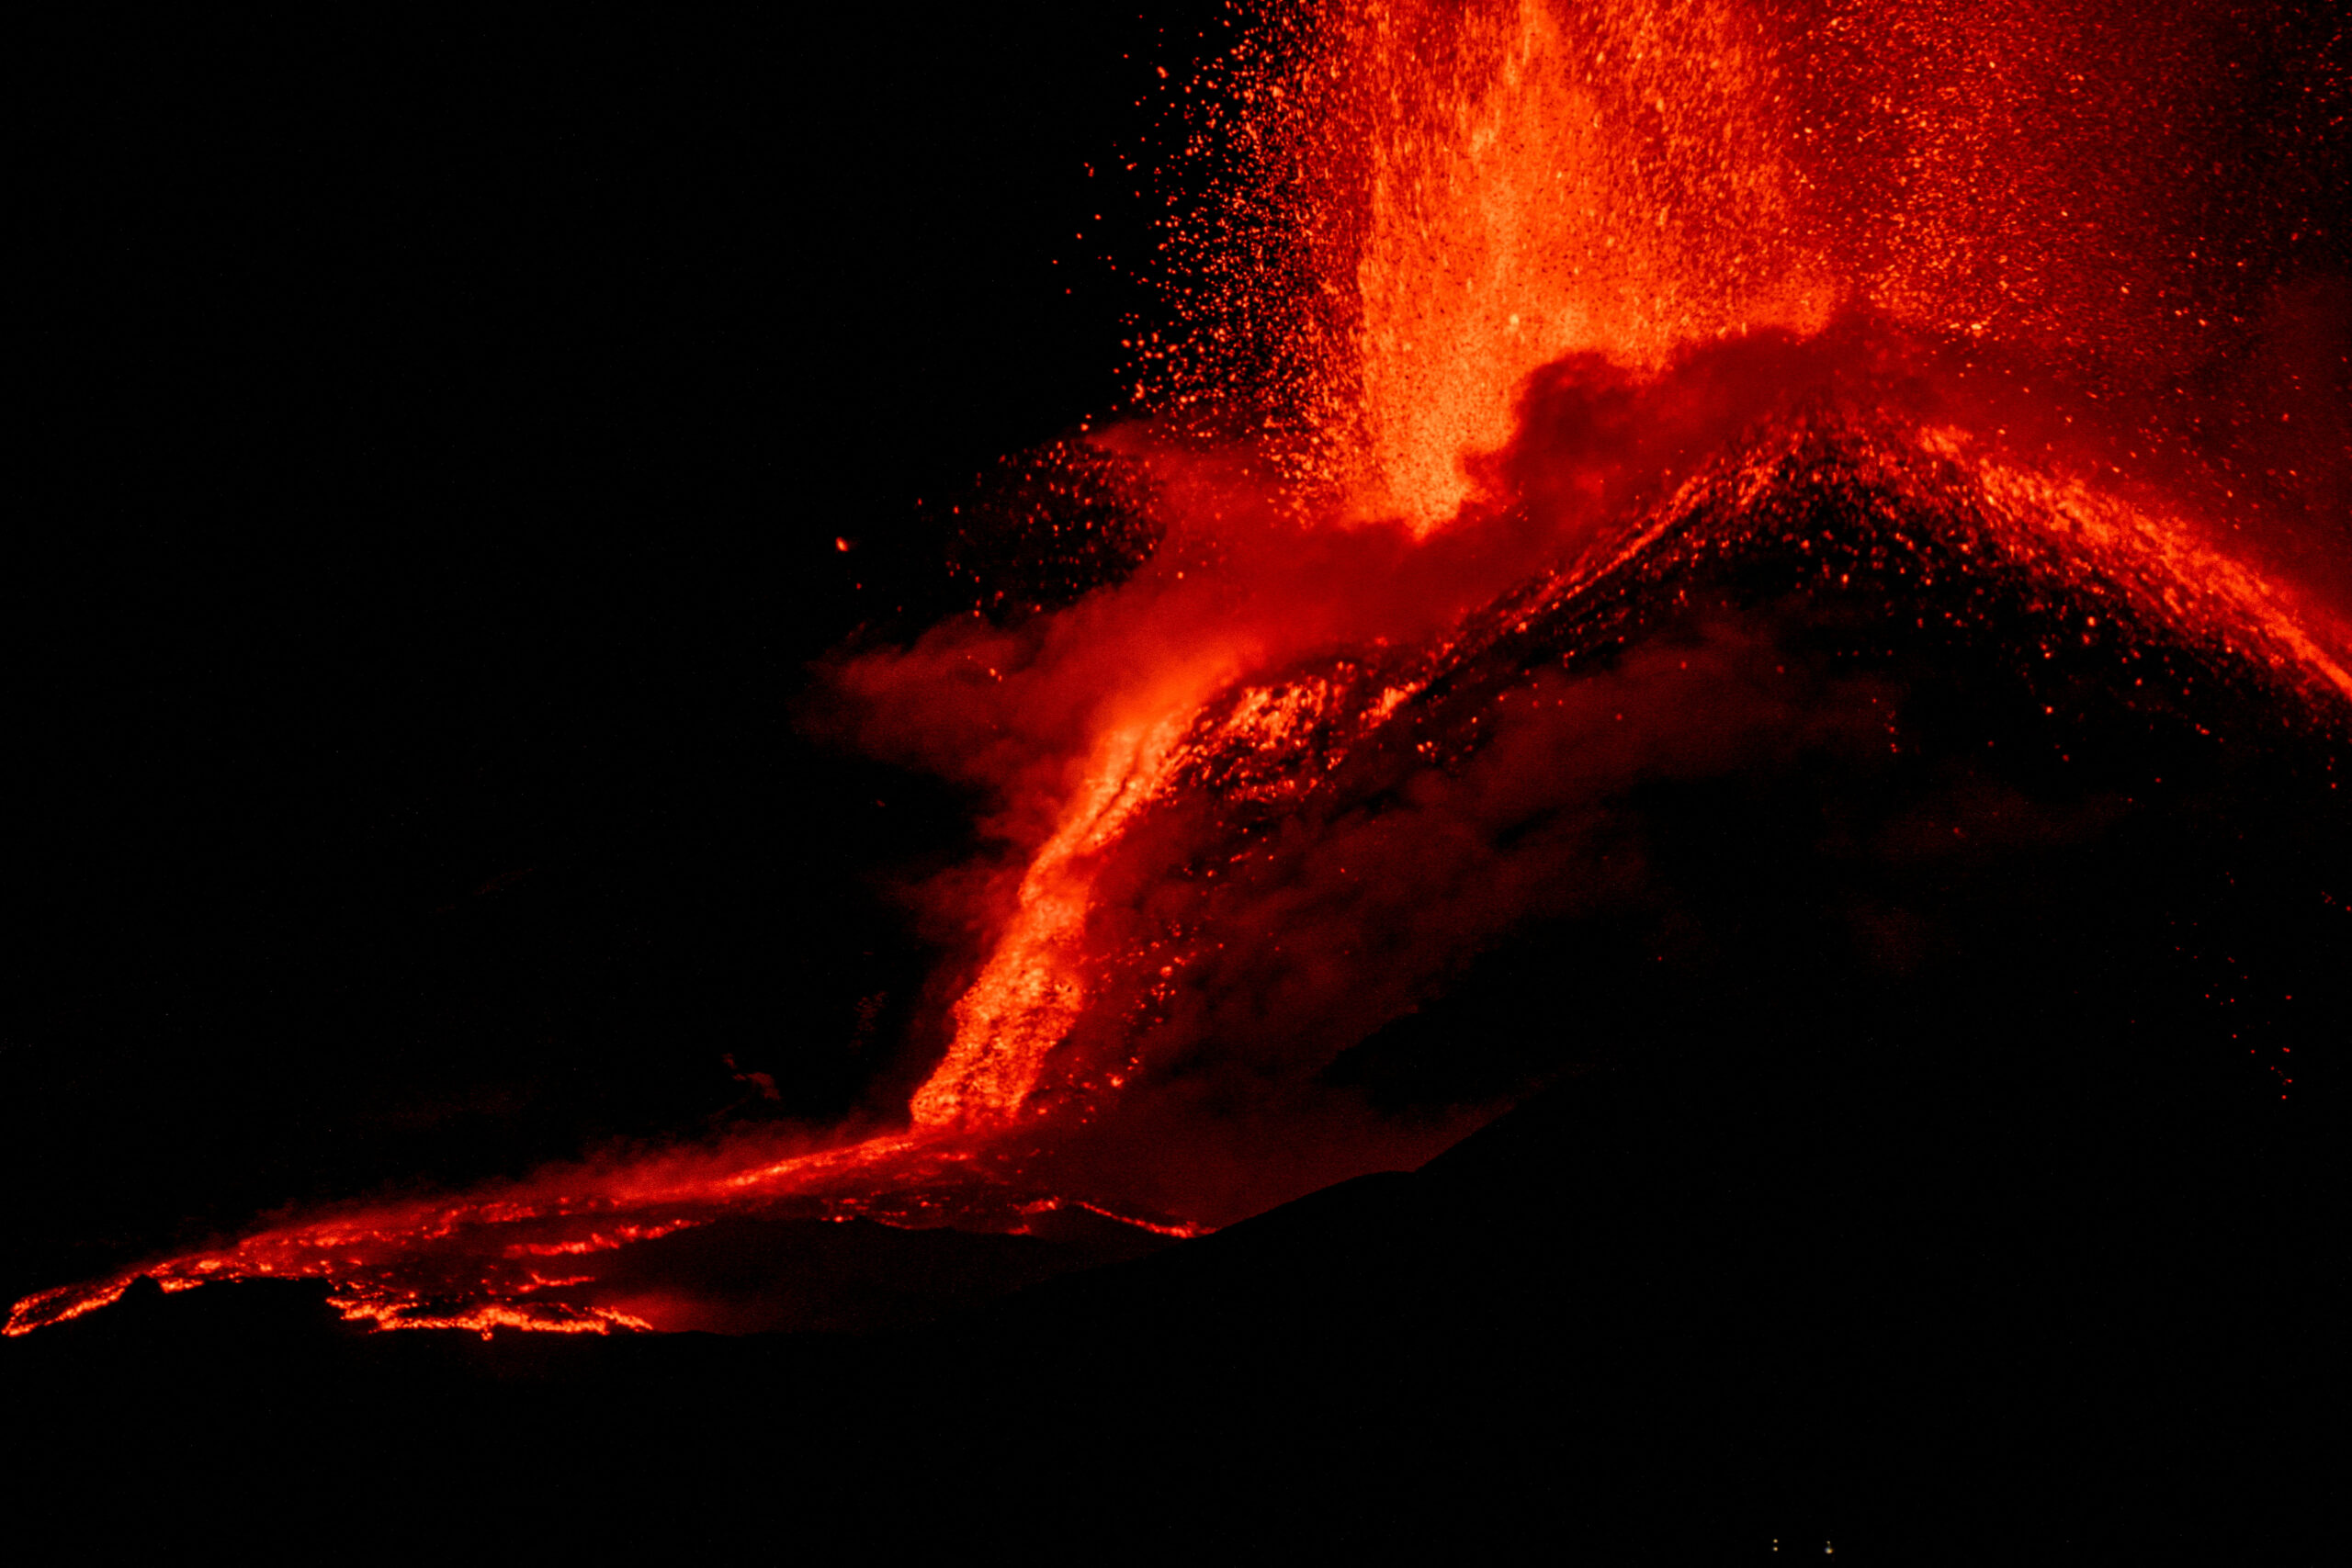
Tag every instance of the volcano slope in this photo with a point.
(1940, 1002)
(1923, 1022)
(1844, 700)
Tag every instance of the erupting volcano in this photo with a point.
(1642, 537)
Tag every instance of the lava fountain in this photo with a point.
(1513, 346)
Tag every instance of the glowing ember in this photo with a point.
(1501, 308)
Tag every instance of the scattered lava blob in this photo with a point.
(1559, 404)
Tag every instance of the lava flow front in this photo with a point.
(1560, 402)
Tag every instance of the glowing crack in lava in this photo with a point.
(1536, 360)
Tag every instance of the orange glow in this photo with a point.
(1609, 181)
(1033, 987)
(2157, 561)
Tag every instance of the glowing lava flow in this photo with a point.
(1031, 992)
(1439, 203)
(429, 1265)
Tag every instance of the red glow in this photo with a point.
(1492, 291)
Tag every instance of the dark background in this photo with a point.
(437, 443)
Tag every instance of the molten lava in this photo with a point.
(1544, 366)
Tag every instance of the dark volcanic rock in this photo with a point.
(1842, 706)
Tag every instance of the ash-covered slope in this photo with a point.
(1900, 556)
(1862, 688)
